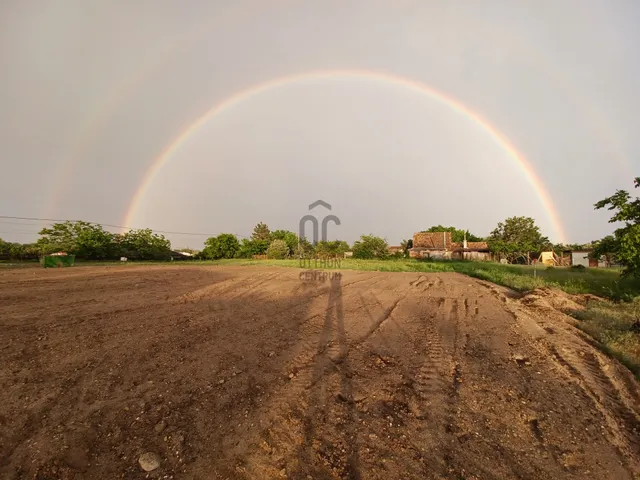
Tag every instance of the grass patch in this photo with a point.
(612, 325)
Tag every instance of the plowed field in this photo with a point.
(249, 372)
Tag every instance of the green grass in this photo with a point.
(611, 324)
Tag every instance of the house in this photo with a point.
(432, 245)
(394, 249)
(441, 245)
(478, 251)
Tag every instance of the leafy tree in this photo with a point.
(456, 234)
(278, 249)
(304, 248)
(16, 251)
(83, 239)
(335, 248)
(4, 248)
(290, 238)
(606, 248)
(516, 237)
(370, 246)
(406, 246)
(143, 244)
(249, 248)
(626, 240)
(225, 245)
(261, 232)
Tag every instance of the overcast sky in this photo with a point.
(91, 93)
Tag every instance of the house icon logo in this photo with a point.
(314, 222)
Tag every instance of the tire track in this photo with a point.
(588, 375)
(436, 380)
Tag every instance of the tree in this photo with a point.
(370, 246)
(606, 248)
(250, 247)
(261, 232)
(304, 248)
(83, 239)
(143, 244)
(406, 246)
(626, 240)
(278, 249)
(456, 234)
(4, 248)
(516, 237)
(290, 238)
(335, 248)
(225, 245)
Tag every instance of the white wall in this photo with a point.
(580, 258)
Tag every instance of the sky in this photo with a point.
(209, 117)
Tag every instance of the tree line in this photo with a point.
(91, 241)
(514, 239)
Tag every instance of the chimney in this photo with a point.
(464, 242)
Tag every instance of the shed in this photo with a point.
(580, 258)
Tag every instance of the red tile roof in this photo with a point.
(433, 240)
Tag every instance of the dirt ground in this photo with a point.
(250, 372)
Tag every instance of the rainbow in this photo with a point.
(414, 85)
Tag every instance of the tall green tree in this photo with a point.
(516, 238)
(261, 232)
(626, 239)
(457, 235)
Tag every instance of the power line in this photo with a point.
(112, 226)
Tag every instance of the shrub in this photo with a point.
(225, 245)
(370, 246)
(278, 249)
(249, 248)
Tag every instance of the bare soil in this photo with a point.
(250, 372)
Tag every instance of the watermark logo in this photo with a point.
(314, 222)
(319, 276)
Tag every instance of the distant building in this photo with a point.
(441, 245)
(395, 249)
(581, 258)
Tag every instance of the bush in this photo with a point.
(249, 248)
(580, 268)
(225, 245)
(370, 246)
(278, 249)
